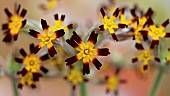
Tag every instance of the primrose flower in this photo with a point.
(59, 24)
(140, 24)
(86, 51)
(15, 23)
(28, 79)
(50, 5)
(31, 62)
(110, 24)
(46, 38)
(145, 56)
(156, 32)
(75, 77)
(113, 82)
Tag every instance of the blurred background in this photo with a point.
(84, 12)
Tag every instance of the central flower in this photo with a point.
(86, 51)
(32, 63)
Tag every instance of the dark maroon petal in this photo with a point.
(93, 37)
(96, 63)
(144, 32)
(33, 86)
(15, 37)
(102, 12)
(43, 69)
(114, 37)
(122, 26)
(23, 13)
(107, 91)
(134, 60)
(24, 23)
(23, 53)
(145, 67)
(150, 22)
(133, 12)
(70, 26)
(19, 60)
(34, 33)
(36, 49)
(36, 76)
(116, 13)
(165, 23)
(5, 26)
(167, 35)
(139, 46)
(149, 13)
(62, 17)
(44, 57)
(8, 13)
(56, 16)
(23, 72)
(103, 52)
(101, 27)
(154, 43)
(72, 43)
(52, 51)
(86, 69)
(71, 60)
(59, 33)
(20, 86)
(117, 71)
(32, 48)
(76, 37)
(74, 87)
(157, 59)
(44, 24)
(122, 10)
(8, 38)
(123, 81)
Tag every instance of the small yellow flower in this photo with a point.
(14, 25)
(75, 77)
(145, 57)
(31, 62)
(110, 24)
(168, 57)
(46, 38)
(29, 79)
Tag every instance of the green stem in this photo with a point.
(157, 82)
(14, 86)
(83, 88)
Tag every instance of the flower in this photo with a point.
(75, 77)
(29, 79)
(140, 24)
(50, 5)
(59, 24)
(31, 62)
(110, 24)
(46, 38)
(86, 51)
(145, 57)
(14, 25)
(156, 32)
(113, 82)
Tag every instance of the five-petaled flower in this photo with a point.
(110, 24)
(145, 56)
(29, 79)
(113, 82)
(14, 24)
(140, 24)
(156, 32)
(86, 51)
(31, 62)
(75, 77)
(46, 38)
(59, 24)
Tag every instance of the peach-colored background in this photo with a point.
(78, 11)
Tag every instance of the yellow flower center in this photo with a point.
(27, 79)
(32, 63)
(86, 51)
(75, 77)
(112, 83)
